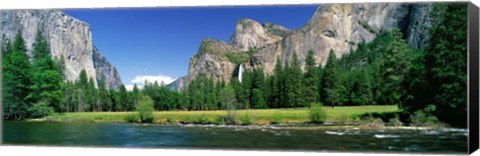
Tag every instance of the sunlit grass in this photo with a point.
(257, 116)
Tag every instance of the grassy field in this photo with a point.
(257, 116)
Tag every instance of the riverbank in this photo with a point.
(340, 114)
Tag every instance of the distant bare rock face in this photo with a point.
(339, 27)
(69, 38)
(177, 85)
(249, 34)
(212, 61)
(106, 70)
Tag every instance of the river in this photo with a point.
(446, 140)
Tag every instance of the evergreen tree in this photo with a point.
(123, 99)
(278, 84)
(90, 96)
(81, 91)
(319, 90)
(103, 96)
(16, 80)
(394, 68)
(115, 100)
(258, 101)
(135, 96)
(311, 79)
(47, 78)
(295, 84)
(361, 89)
(329, 80)
(246, 94)
(258, 86)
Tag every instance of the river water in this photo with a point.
(447, 140)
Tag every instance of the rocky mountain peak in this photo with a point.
(249, 34)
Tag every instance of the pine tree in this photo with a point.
(16, 80)
(393, 69)
(258, 86)
(278, 84)
(361, 89)
(311, 79)
(246, 95)
(258, 102)
(135, 96)
(47, 78)
(123, 99)
(103, 95)
(113, 96)
(92, 103)
(329, 80)
(295, 84)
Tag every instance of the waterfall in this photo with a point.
(240, 72)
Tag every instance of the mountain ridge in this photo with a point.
(333, 26)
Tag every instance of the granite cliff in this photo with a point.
(333, 26)
(68, 37)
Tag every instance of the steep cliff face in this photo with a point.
(69, 38)
(212, 61)
(105, 70)
(249, 34)
(333, 26)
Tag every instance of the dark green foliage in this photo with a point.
(135, 96)
(47, 79)
(123, 99)
(361, 90)
(279, 85)
(16, 81)
(394, 68)
(441, 73)
(91, 96)
(201, 93)
(311, 79)
(447, 63)
(295, 83)
(330, 83)
(115, 98)
(258, 101)
(103, 96)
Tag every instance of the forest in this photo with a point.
(431, 80)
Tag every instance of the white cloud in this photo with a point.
(130, 87)
(140, 79)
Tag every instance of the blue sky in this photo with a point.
(157, 43)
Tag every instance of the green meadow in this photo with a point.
(253, 116)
